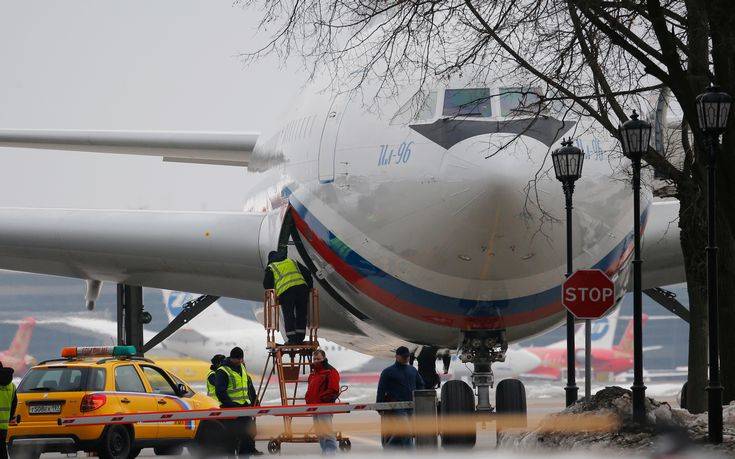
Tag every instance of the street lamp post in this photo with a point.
(568, 161)
(713, 108)
(634, 137)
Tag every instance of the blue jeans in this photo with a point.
(325, 432)
(400, 420)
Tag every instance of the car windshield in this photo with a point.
(63, 379)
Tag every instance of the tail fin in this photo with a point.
(626, 341)
(603, 331)
(21, 341)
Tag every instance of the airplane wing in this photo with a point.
(212, 252)
(224, 148)
(663, 262)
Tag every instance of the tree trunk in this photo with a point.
(692, 223)
(726, 308)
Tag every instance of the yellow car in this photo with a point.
(84, 382)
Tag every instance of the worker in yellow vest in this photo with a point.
(212, 375)
(8, 402)
(234, 388)
(292, 281)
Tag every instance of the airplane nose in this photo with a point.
(490, 205)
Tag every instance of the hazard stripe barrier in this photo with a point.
(231, 413)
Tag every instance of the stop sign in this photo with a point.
(588, 294)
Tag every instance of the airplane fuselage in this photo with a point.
(435, 223)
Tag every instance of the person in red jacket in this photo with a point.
(323, 387)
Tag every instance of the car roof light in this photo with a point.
(98, 351)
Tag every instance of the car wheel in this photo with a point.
(116, 443)
(176, 450)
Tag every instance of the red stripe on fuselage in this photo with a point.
(410, 309)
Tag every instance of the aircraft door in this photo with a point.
(328, 141)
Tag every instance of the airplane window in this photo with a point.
(420, 107)
(467, 102)
(518, 99)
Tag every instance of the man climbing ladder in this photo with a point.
(292, 282)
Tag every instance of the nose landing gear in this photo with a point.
(482, 348)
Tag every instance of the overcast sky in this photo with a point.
(139, 65)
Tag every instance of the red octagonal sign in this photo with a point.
(588, 294)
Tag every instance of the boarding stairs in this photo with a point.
(291, 365)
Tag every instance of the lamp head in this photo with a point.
(635, 136)
(568, 161)
(713, 108)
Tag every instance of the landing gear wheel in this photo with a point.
(176, 450)
(457, 401)
(345, 445)
(274, 447)
(116, 443)
(510, 399)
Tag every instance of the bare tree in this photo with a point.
(598, 58)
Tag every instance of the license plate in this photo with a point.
(45, 408)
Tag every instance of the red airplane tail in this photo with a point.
(19, 347)
(626, 342)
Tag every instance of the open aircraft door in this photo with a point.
(330, 133)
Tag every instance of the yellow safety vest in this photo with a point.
(6, 399)
(286, 274)
(237, 384)
(211, 390)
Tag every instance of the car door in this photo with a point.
(134, 398)
(167, 399)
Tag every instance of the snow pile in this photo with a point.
(667, 428)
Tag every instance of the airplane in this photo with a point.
(606, 356)
(16, 356)
(214, 331)
(432, 221)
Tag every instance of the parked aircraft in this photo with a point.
(606, 356)
(216, 331)
(213, 331)
(16, 356)
(432, 222)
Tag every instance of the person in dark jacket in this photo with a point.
(396, 384)
(8, 403)
(217, 360)
(323, 387)
(234, 388)
(292, 282)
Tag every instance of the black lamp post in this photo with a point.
(635, 135)
(713, 108)
(568, 161)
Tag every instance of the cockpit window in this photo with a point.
(515, 100)
(420, 107)
(467, 102)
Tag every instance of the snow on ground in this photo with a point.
(668, 430)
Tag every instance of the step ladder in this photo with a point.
(291, 365)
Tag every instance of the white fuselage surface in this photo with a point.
(436, 223)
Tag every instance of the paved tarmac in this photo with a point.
(363, 428)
